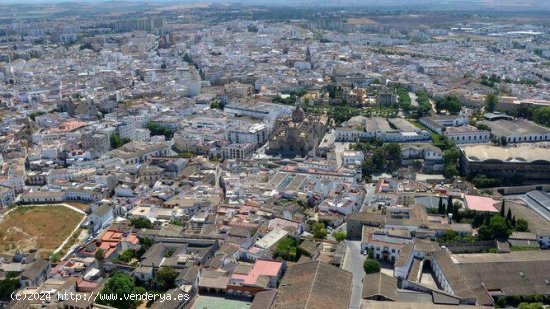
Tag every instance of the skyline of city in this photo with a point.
(274, 155)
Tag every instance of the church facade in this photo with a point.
(296, 135)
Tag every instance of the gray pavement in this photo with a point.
(353, 262)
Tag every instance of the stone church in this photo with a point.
(296, 135)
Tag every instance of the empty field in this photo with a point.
(43, 228)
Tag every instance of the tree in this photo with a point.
(440, 207)
(542, 115)
(503, 141)
(424, 105)
(477, 221)
(117, 142)
(456, 211)
(126, 256)
(33, 115)
(8, 286)
(487, 219)
(509, 216)
(450, 171)
(404, 100)
(491, 102)
(122, 285)
(525, 305)
(522, 225)
(499, 227)
(141, 223)
(393, 154)
(339, 235)
(485, 233)
(319, 230)
(100, 257)
(500, 302)
(449, 236)
(378, 159)
(482, 181)
(449, 103)
(371, 266)
(502, 210)
(217, 105)
(158, 130)
(287, 249)
(165, 278)
(450, 156)
(482, 126)
(393, 151)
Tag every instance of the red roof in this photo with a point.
(261, 267)
(480, 203)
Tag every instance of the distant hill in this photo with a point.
(375, 4)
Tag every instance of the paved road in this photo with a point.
(432, 102)
(413, 99)
(353, 262)
(369, 197)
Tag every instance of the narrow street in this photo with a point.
(353, 262)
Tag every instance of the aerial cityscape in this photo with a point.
(275, 154)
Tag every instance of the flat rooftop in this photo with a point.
(480, 203)
(512, 257)
(504, 127)
(463, 129)
(211, 302)
(515, 273)
(522, 154)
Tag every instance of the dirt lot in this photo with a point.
(43, 228)
(520, 210)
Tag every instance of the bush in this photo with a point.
(126, 256)
(121, 284)
(319, 230)
(500, 302)
(531, 306)
(117, 142)
(141, 223)
(482, 181)
(8, 286)
(158, 130)
(287, 249)
(522, 226)
(165, 278)
(448, 103)
(339, 235)
(371, 266)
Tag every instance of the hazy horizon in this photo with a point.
(455, 4)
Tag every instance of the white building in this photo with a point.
(265, 111)
(139, 152)
(439, 123)
(242, 151)
(352, 158)
(467, 134)
(42, 197)
(255, 134)
(393, 130)
(383, 244)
